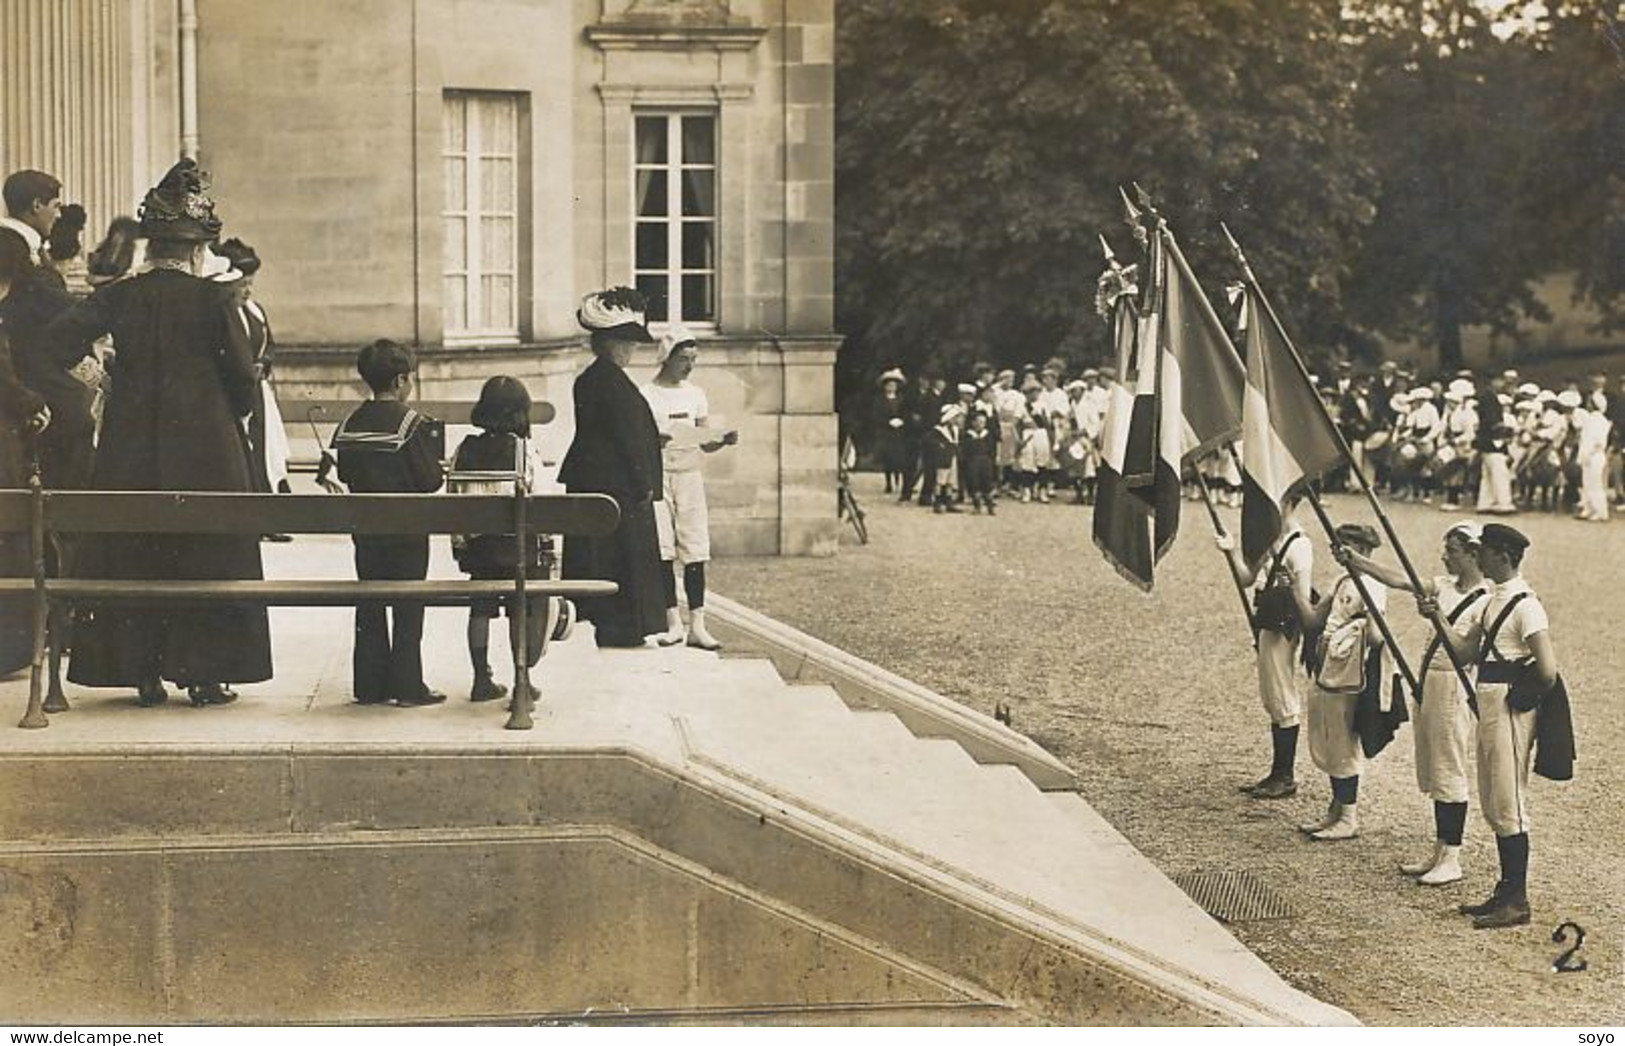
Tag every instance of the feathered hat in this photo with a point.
(179, 207)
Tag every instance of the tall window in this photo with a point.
(481, 151)
(675, 255)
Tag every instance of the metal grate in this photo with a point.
(1234, 897)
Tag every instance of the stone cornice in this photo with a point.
(665, 36)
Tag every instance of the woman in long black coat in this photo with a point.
(616, 451)
(183, 381)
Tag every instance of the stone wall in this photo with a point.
(773, 494)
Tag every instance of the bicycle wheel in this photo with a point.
(854, 514)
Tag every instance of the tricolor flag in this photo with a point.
(1287, 437)
(1200, 382)
(1122, 523)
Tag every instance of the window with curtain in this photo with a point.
(481, 216)
(675, 222)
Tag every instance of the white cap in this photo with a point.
(676, 335)
(1529, 388)
(1462, 388)
(1569, 398)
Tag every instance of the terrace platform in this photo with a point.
(682, 838)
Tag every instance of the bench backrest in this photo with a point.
(296, 410)
(145, 512)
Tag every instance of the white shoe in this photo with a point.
(1426, 864)
(674, 629)
(698, 635)
(1333, 812)
(1448, 870)
(1347, 826)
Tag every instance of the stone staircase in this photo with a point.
(682, 839)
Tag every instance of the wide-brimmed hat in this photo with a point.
(965, 388)
(617, 312)
(179, 207)
(1569, 398)
(1422, 393)
(895, 374)
(243, 258)
(1463, 388)
(1529, 388)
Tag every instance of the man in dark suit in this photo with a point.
(33, 202)
(616, 451)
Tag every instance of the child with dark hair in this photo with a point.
(386, 447)
(502, 448)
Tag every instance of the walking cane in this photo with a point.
(34, 718)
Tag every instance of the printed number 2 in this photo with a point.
(1566, 963)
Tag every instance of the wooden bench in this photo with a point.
(41, 513)
(303, 412)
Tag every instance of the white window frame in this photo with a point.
(674, 218)
(473, 155)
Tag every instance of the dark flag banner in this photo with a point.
(1287, 438)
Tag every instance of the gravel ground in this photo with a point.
(1152, 700)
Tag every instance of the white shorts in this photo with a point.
(1505, 741)
(1444, 732)
(1277, 678)
(681, 519)
(1334, 744)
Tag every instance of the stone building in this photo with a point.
(456, 173)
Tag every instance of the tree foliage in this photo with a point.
(1492, 148)
(980, 144)
(1394, 170)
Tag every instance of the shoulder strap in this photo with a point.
(1280, 556)
(1455, 615)
(1468, 600)
(1495, 629)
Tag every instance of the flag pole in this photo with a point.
(1365, 487)
(1219, 531)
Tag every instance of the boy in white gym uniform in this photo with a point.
(1443, 719)
(1277, 625)
(1517, 669)
(681, 517)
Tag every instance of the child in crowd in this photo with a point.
(943, 444)
(502, 448)
(386, 447)
(978, 451)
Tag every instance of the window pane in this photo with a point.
(456, 253)
(496, 245)
(699, 139)
(454, 122)
(496, 186)
(698, 198)
(498, 294)
(651, 193)
(653, 240)
(697, 304)
(456, 183)
(653, 289)
(456, 304)
(651, 139)
(497, 118)
(699, 246)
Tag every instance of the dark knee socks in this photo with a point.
(693, 586)
(1346, 790)
(1449, 822)
(1514, 854)
(668, 582)
(1284, 743)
